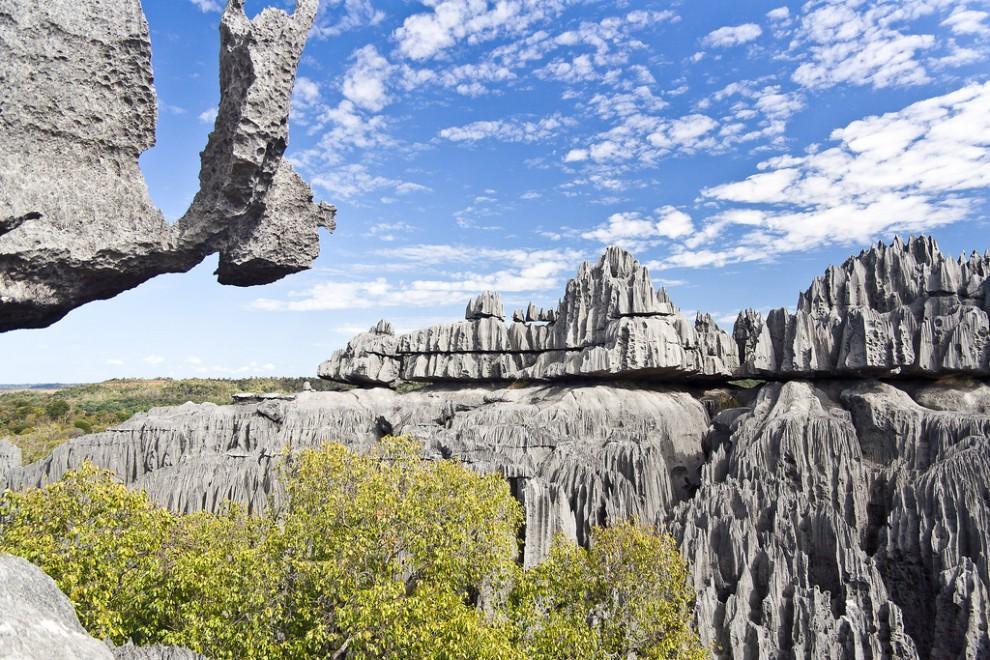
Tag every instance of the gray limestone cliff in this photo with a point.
(835, 518)
(38, 622)
(901, 309)
(610, 322)
(79, 108)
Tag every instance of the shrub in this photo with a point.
(383, 555)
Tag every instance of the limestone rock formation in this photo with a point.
(903, 309)
(38, 622)
(899, 309)
(611, 321)
(840, 518)
(10, 457)
(577, 456)
(76, 221)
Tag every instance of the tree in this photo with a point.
(101, 543)
(372, 540)
(376, 555)
(627, 595)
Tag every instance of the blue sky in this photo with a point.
(736, 147)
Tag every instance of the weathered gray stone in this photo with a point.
(10, 457)
(76, 221)
(899, 309)
(611, 321)
(486, 306)
(581, 455)
(37, 621)
(839, 518)
(155, 652)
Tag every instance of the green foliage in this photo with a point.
(98, 540)
(381, 555)
(625, 596)
(37, 421)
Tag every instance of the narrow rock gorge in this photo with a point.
(838, 506)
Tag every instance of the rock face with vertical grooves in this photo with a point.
(577, 456)
(838, 518)
(899, 309)
(79, 106)
(610, 322)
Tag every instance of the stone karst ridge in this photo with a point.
(902, 309)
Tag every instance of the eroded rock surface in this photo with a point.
(610, 322)
(79, 108)
(576, 456)
(835, 518)
(899, 309)
(840, 517)
(903, 309)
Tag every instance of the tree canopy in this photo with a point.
(364, 556)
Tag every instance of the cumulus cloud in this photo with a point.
(634, 232)
(732, 35)
(306, 93)
(779, 14)
(207, 5)
(336, 17)
(521, 271)
(425, 35)
(208, 116)
(365, 81)
(968, 21)
(921, 167)
(508, 130)
(352, 181)
(858, 43)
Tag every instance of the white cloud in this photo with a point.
(851, 42)
(967, 21)
(522, 271)
(154, 359)
(365, 81)
(387, 231)
(508, 130)
(356, 14)
(635, 232)
(426, 34)
(576, 155)
(207, 5)
(732, 35)
(350, 128)
(779, 14)
(353, 181)
(921, 167)
(576, 69)
(306, 93)
(208, 116)
(116, 362)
